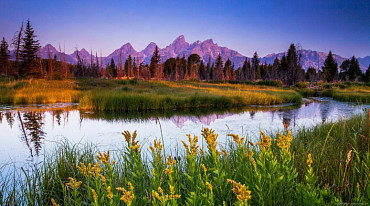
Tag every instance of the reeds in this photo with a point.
(38, 92)
(288, 169)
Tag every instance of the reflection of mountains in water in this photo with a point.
(204, 115)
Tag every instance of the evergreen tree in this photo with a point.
(202, 71)
(330, 68)
(28, 53)
(275, 69)
(112, 69)
(255, 67)
(354, 71)
(128, 67)
(154, 62)
(343, 75)
(219, 72)
(294, 65)
(227, 70)
(311, 74)
(4, 57)
(367, 75)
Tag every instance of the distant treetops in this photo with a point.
(27, 63)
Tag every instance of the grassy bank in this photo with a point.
(38, 92)
(124, 95)
(327, 164)
(342, 91)
(179, 95)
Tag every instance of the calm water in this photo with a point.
(26, 132)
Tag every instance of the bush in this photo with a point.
(300, 85)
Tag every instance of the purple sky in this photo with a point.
(263, 26)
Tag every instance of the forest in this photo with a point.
(26, 62)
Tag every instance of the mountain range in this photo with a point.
(206, 49)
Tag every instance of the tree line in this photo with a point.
(27, 63)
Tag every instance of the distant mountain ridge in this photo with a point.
(206, 49)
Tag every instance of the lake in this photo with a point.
(27, 131)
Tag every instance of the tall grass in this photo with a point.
(178, 95)
(38, 91)
(319, 166)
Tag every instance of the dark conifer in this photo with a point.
(154, 62)
(28, 53)
(4, 57)
(330, 68)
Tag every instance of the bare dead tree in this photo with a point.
(16, 42)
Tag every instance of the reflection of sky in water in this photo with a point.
(84, 127)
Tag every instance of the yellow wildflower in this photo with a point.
(130, 139)
(127, 196)
(237, 139)
(168, 171)
(160, 190)
(348, 157)
(224, 153)
(73, 184)
(204, 169)
(170, 161)
(209, 186)
(104, 158)
(53, 202)
(95, 196)
(284, 140)
(172, 190)
(193, 149)
(153, 171)
(251, 143)
(155, 194)
(130, 186)
(211, 139)
(103, 179)
(240, 191)
(135, 148)
(110, 194)
(265, 141)
(309, 160)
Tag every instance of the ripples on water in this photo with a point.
(28, 130)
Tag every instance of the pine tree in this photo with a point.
(354, 71)
(154, 62)
(330, 68)
(254, 72)
(112, 69)
(28, 53)
(4, 57)
(219, 71)
(367, 75)
(120, 69)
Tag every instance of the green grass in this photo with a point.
(134, 95)
(339, 172)
(178, 95)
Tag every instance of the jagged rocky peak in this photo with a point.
(180, 39)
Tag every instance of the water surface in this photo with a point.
(26, 131)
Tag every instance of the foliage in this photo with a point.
(330, 68)
(28, 53)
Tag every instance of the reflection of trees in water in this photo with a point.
(325, 108)
(10, 118)
(1, 117)
(31, 128)
(252, 113)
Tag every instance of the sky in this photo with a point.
(245, 26)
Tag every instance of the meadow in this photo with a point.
(326, 164)
(135, 95)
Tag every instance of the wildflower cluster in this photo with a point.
(131, 141)
(193, 149)
(240, 191)
(284, 141)
(265, 141)
(128, 195)
(211, 139)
